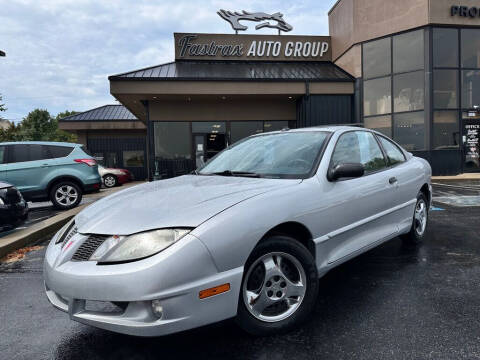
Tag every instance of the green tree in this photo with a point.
(38, 125)
(2, 106)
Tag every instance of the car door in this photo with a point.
(405, 177)
(28, 167)
(357, 207)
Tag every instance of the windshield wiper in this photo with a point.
(235, 173)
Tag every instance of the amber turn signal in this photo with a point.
(214, 291)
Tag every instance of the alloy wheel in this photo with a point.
(274, 287)
(420, 217)
(109, 181)
(66, 195)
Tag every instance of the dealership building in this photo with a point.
(410, 70)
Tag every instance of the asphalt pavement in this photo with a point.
(393, 302)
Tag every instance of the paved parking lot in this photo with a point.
(392, 302)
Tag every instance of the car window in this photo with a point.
(394, 154)
(55, 151)
(359, 147)
(2, 155)
(285, 155)
(27, 152)
(19, 153)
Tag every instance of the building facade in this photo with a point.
(409, 69)
(417, 70)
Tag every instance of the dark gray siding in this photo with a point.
(315, 110)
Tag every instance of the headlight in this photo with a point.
(64, 231)
(137, 246)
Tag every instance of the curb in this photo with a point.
(47, 227)
(36, 232)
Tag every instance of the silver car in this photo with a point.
(245, 236)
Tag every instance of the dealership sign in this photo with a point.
(465, 11)
(252, 47)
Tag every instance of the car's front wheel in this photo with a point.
(109, 181)
(65, 195)
(279, 287)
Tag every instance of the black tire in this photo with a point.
(110, 181)
(69, 202)
(280, 245)
(414, 236)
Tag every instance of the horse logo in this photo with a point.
(234, 19)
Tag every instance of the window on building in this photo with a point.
(470, 88)
(243, 129)
(377, 58)
(394, 154)
(470, 48)
(377, 96)
(381, 124)
(274, 125)
(408, 51)
(446, 133)
(409, 130)
(173, 140)
(445, 47)
(359, 147)
(408, 90)
(2, 155)
(445, 89)
(133, 158)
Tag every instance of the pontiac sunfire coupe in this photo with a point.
(245, 236)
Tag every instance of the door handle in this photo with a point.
(392, 180)
(45, 165)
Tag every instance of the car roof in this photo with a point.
(327, 128)
(40, 143)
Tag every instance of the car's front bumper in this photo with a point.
(174, 277)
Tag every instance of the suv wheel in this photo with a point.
(110, 181)
(65, 195)
(279, 287)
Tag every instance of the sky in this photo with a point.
(61, 52)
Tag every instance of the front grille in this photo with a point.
(88, 247)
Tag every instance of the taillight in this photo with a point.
(89, 162)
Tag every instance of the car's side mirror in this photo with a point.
(346, 170)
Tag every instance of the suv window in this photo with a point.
(26, 152)
(394, 154)
(359, 147)
(3, 160)
(55, 151)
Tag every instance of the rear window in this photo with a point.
(54, 151)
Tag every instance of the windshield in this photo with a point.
(284, 155)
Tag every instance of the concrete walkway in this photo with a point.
(466, 176)
(47, 227)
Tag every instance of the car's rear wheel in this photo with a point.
(419, 224)
(279, 287)
(65, 195)
(110, 181)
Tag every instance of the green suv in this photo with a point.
(60, 172)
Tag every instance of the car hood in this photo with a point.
(185, 201)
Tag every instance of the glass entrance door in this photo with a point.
(209, 138)
(471, 141)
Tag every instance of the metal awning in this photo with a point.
(239, 71)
